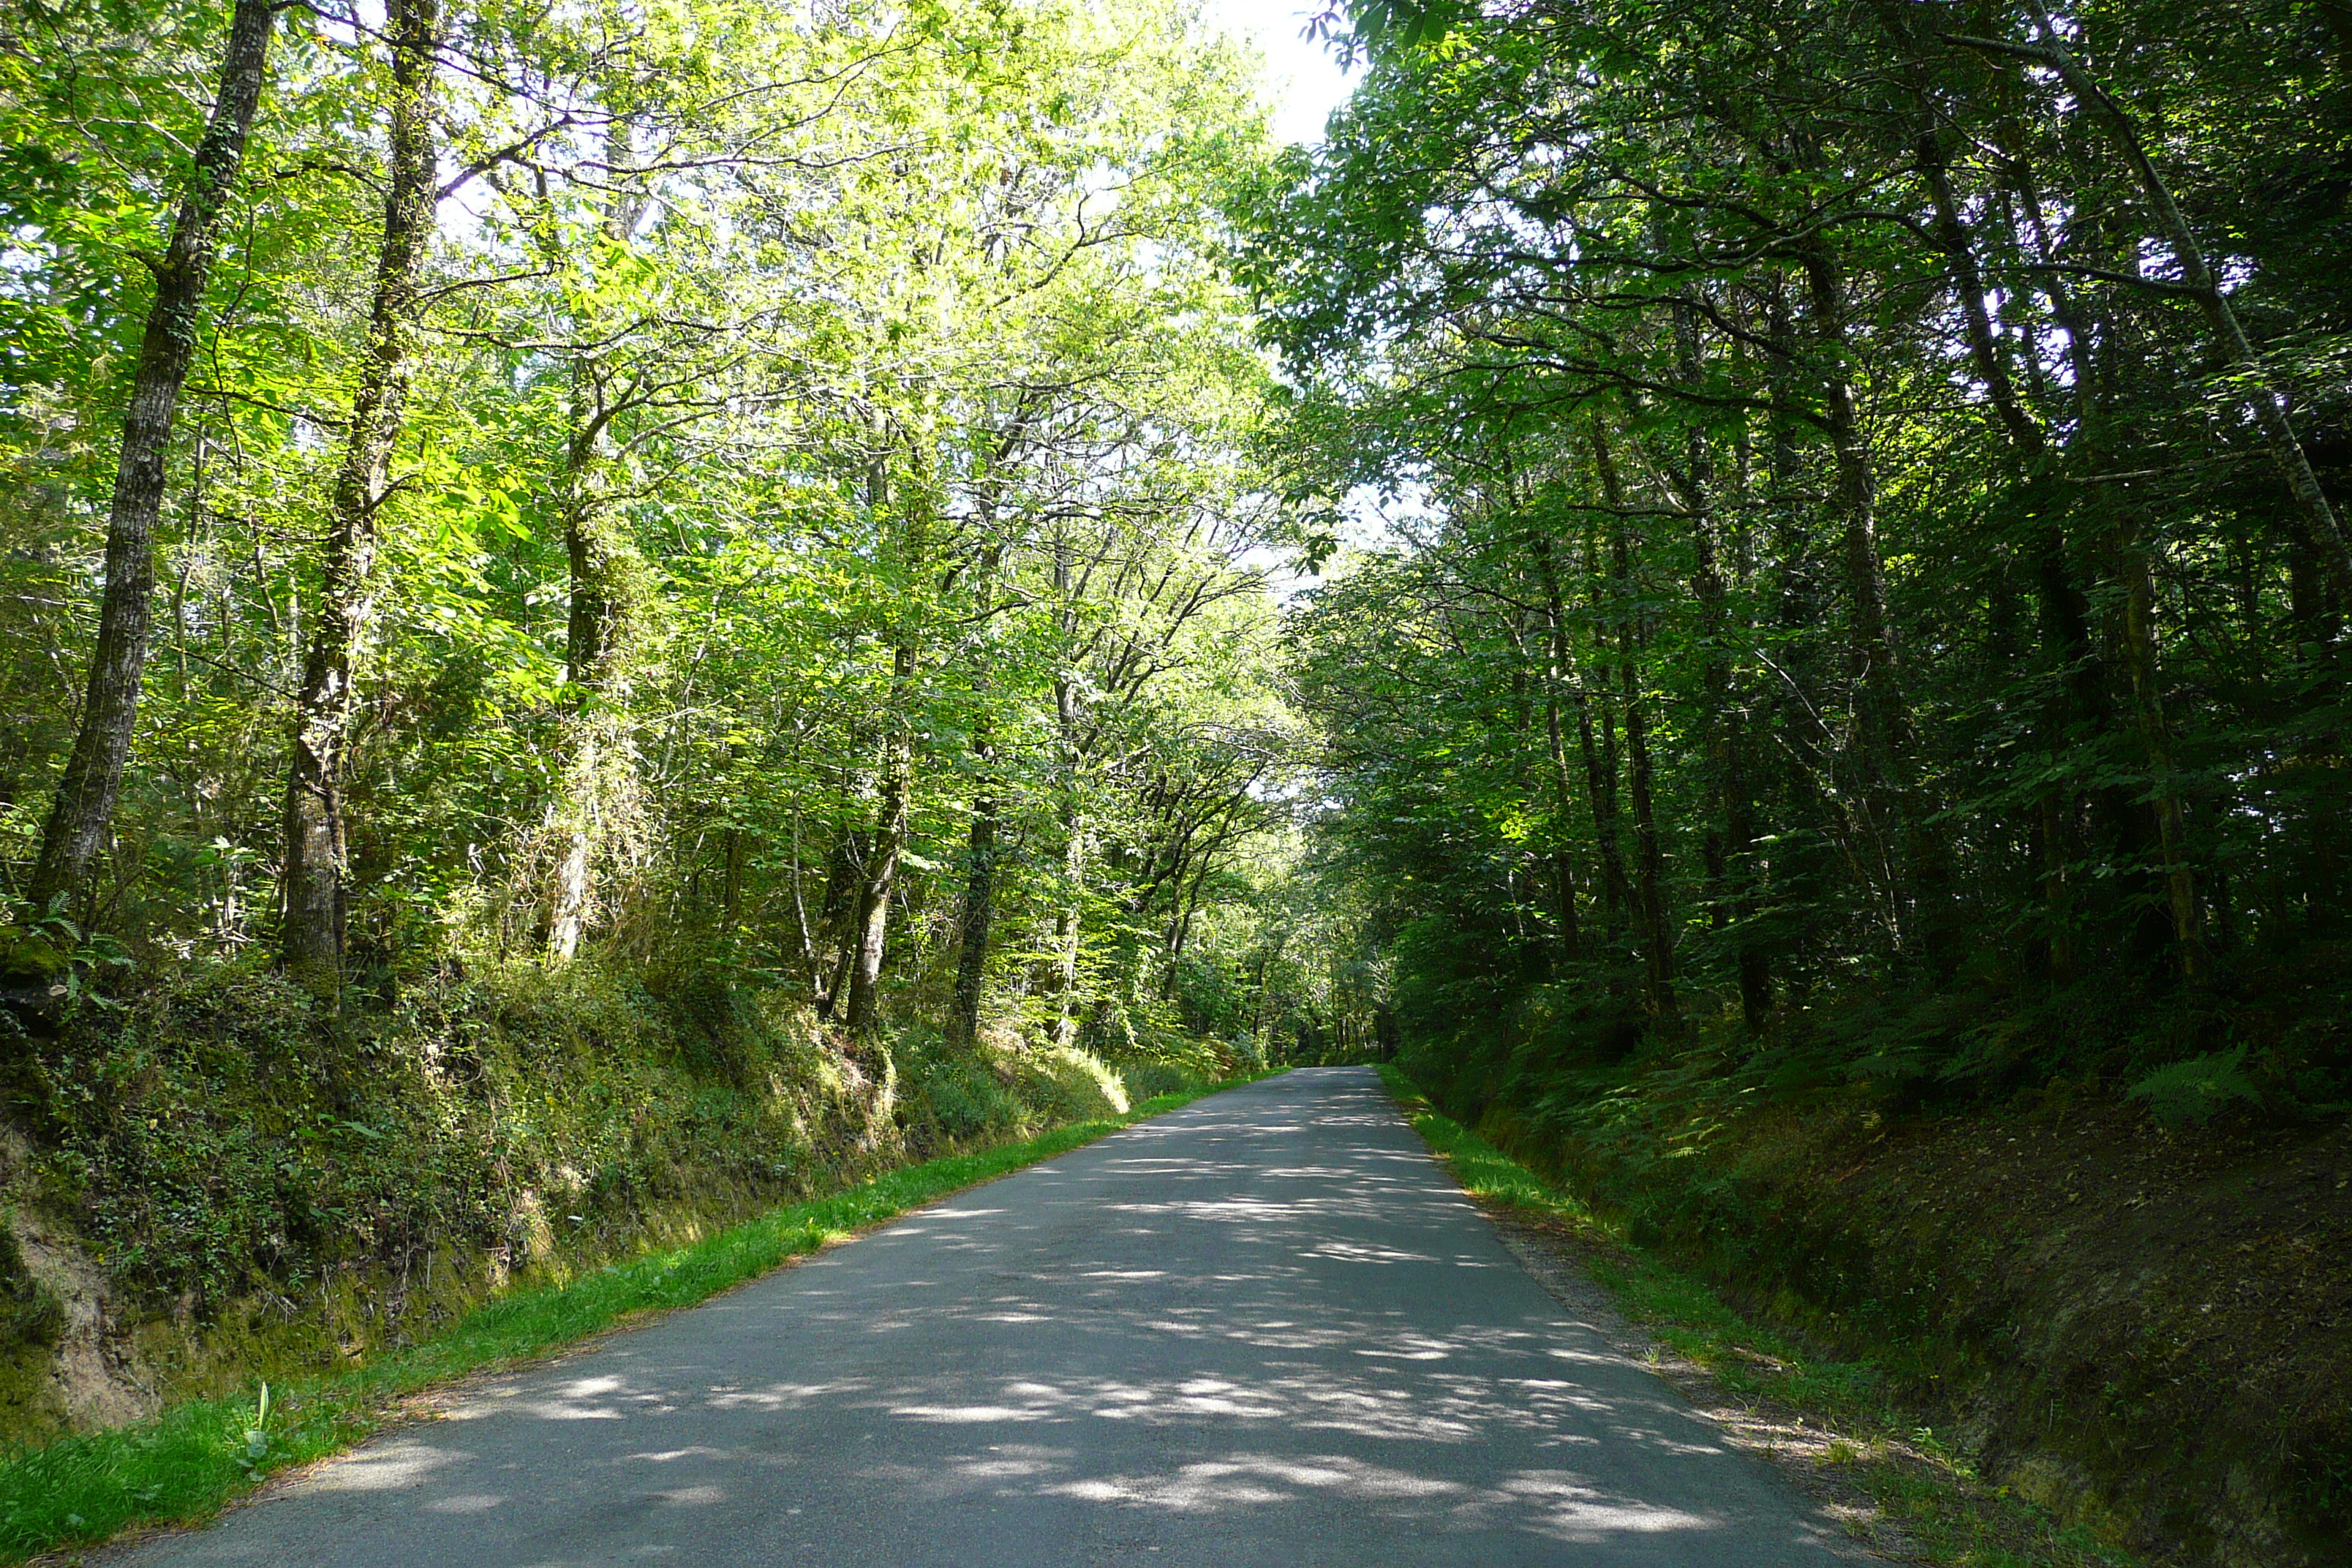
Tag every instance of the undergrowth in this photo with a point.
(1907, 1470)
(186, 1464)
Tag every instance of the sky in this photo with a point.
(1304, 84)
(1302, 80)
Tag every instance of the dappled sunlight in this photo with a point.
(1267, 1314)
(780, 1396)
(394, 1466)
(467, 1502)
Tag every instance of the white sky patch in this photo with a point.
(1303, 81)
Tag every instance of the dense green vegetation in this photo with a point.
(799, 499)
(1832, 678)
(616, 615)
(1862, 575)
(611, 617)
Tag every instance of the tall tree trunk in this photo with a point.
(872, 922)
(843, 880)
(1649, 860)
(1730, 842)
(595, 786)
(1907, 853)
(1068, 930)
(730, 898)
(979, 912)
(84, 806)
(2137, 825)
(1190, 905)
(2081, 703)
(1816, 815)
(2147, 705)
(1870, 648)
(594, 800)
(2064, 609)
(311, 941)
(1557, 677)
(978, 915)
(1600, 751)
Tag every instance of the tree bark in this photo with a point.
(1068, 929)
(1556, 677)
(1649, 859)
(84, 806)
(2064, 608)
(1729, 843)
(606, 597)
(1600, 754)
(978, 916)
(1884, 739)
(2147, 704)
(1871, 646)
(979, 913)
(872, 923)
(605, 591)
(843, 878)
(311, 942)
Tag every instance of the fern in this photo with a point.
(2188, 1094)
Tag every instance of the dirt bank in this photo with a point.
(2145, 1330)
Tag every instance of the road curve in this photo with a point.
(1262, 1330)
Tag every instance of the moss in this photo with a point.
(29, 1315)
(197, 1454)
(2149, 1329)
(31, 1321)
(272, 1192)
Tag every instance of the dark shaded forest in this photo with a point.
(1831, 669)
(1871, 520)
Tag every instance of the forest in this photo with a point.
(1833, 731)
(611, 616)
(1873, 520)
(629, 608)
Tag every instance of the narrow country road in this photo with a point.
(1264, 1330)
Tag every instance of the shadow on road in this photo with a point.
(1264, 1329)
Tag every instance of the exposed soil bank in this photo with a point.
(210, 1183)
(2147, 1332)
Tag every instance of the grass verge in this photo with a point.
(1853, 1440)
(187, 1463)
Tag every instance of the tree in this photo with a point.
(85, 800)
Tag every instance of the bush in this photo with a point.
(2190, 1093)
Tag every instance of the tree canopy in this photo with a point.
(1864, 552)
(1820, 505)
(772, 487)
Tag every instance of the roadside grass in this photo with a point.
(1928, 1493)
(187, 1463)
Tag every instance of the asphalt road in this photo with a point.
(1262, 1330)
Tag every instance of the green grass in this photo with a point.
(1927, 1490)
(183, 1464)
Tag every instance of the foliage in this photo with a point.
(807, 402)
(824, 553)
(1806, 565)
(2189, 1093)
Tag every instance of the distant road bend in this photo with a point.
(1264, 1329)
